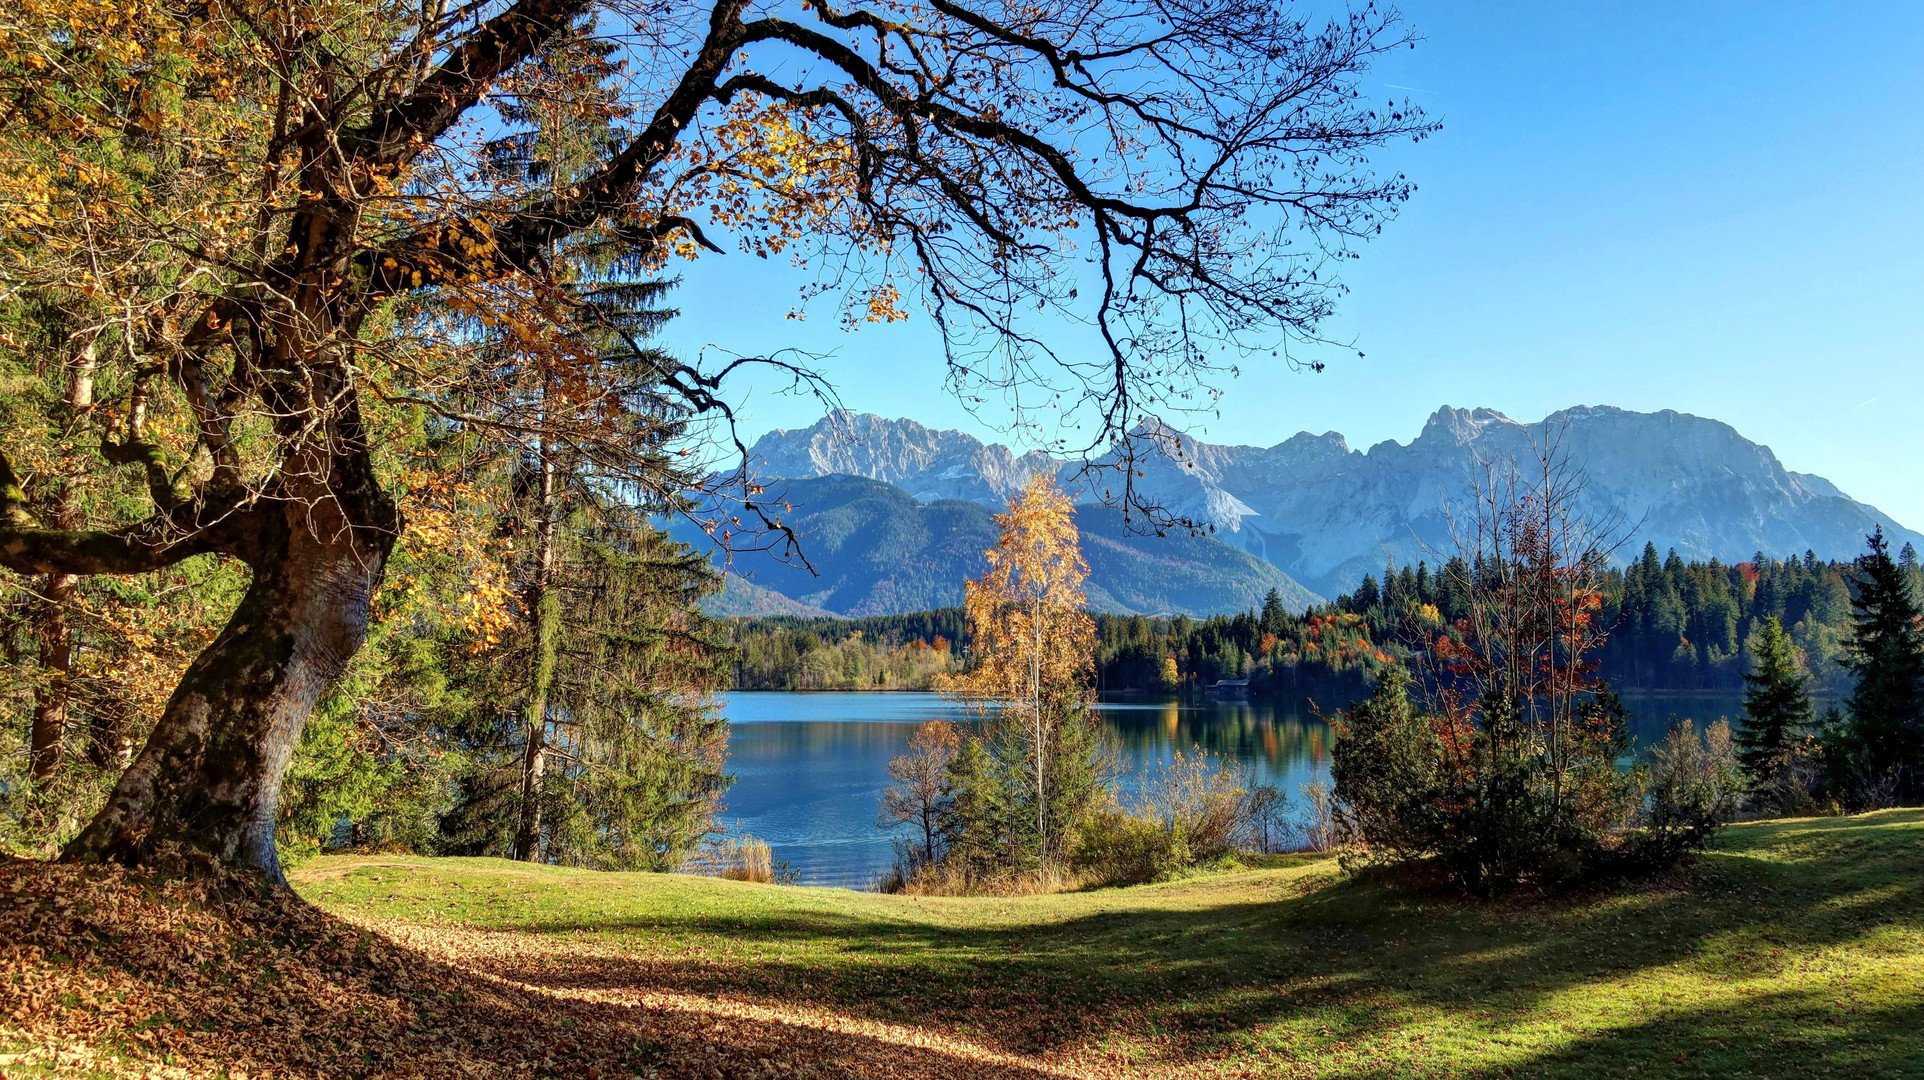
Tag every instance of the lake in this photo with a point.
(810, 767)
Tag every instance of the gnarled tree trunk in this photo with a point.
(208, 781)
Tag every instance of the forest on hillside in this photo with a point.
(1671, 625)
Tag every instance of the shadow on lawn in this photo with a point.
(1340, 962)
(110, 968)
(1780, 1036)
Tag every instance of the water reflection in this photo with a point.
(810, 767)
(1281, 744)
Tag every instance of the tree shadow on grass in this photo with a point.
(1346, 963)
(1775, 1036)
(113, 973)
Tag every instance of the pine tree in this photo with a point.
(1275, 617)
(1907, 561)
(1885, 733)
(1777, 707)
(1367, 595)
(1453, 590)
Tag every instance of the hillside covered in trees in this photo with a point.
(1671, 624)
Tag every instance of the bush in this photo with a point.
(1113, 847)
(1199, 801)
(1265, 826)
(1793, 783)
(1497, 801)
(1191, 810)
(1695, 787)
(1323, 827)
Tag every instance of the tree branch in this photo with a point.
(26, 547)
(400, 129)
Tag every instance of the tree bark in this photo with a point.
(56, 637)
(544, 610)
(208, 782)
(56, 657)
(108, 746)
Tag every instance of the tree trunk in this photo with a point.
(108, 746)
(56, 637)
(56, 657)
(544, 609)
(1035, 697)
(207, 784)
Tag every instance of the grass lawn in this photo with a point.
(1795, 949)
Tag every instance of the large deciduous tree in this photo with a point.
(271, 223)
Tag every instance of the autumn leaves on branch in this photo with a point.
(284, 231)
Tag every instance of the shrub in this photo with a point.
(738, 858)
(1114, 847)
(1497, 801)
(1790, 782)
(1322, 827)
(1265, 826)
(1190, 810)
(1695, 787)
(1199, 801)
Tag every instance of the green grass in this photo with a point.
(1796, 948)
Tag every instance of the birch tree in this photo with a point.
(1032, 650)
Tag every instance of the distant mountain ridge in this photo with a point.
(924, 462)
(1325, 514)
(876, 550)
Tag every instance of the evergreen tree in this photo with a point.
(1777, 707)
(1885, 733)
(594, 737)
(1275, 617)
(1453, 590)
(1367, 595)
(1907, 561)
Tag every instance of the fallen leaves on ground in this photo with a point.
(115, 973)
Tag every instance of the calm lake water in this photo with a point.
(810, 767)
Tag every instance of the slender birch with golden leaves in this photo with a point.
(1033, 645)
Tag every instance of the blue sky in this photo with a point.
(1710, 207)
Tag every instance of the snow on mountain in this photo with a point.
(1326, 514)
(926, 463)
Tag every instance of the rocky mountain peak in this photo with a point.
(928, 463)
(1463, 426)
(1326, 515)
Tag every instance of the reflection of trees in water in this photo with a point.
(1276, 737)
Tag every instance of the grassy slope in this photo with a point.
(1795, 949)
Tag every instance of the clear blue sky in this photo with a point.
(1710, 207)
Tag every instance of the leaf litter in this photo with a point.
(115, 973)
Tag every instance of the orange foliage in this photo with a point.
(1032, 643)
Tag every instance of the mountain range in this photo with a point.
(894, 515)
(875, 549)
